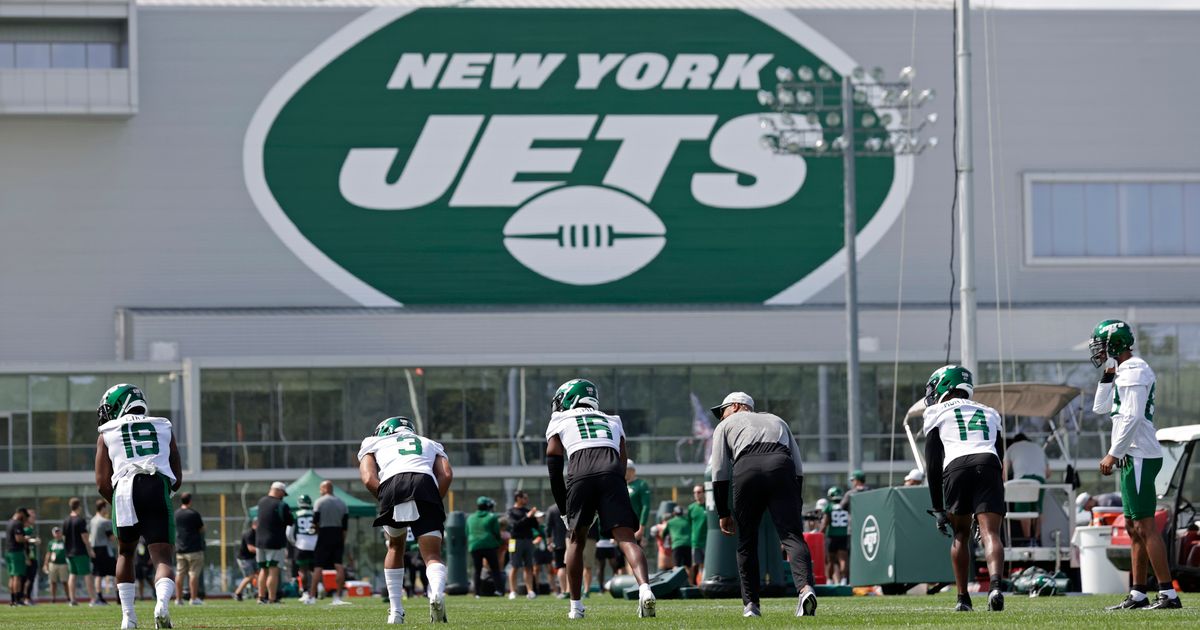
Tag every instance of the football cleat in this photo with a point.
(996, 600)
(1129, 603)
(963, 604)
(575, 613)
(806, 606)
(162, 618)
(126, 623)
(1163, 602)
(751, 610)
(396, 618)
(646, 604)
(437, 609)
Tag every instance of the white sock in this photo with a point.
(126, 593)
(164, 589)
(1137, 595)
(436, 573)
(395, 588)
(576, 604)
(645, 592)
(1169, 592)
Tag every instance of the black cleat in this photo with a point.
(1163, 602)
(996, 601)
(1129, 603)
(964, 604)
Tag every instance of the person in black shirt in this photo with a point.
(271, 540)
(556, 540)
(245, 559)
(521, 523)
(79, 550)
(189, 549)
(16, 556)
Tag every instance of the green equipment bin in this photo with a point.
(893, 540)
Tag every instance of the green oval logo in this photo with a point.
(475, 156)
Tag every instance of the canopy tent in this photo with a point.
(310, 483)
(1042, 400)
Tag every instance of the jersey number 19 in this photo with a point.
(978, 422)
(135, 434)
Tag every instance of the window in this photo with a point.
(8, 55)
(102, 56)
(1102, 218)
(33, 55)
(68, 55)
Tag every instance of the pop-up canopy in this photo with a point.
(1042, 400)
(310, 483)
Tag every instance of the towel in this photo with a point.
(405, 512)
(124, 512)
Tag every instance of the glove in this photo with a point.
(566, 523)
(1109, 364)
(943, 521)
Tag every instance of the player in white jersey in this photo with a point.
(137, 469)
(1126, 392)
(593, 445)
(960, 450)
(303, 536)
(410, 475)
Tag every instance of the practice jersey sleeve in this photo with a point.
(1127, 421)
(583, 428)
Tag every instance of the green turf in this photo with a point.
(605, 612)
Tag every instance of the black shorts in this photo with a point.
(331, 546)
(156, 518)
(839, 543)
(609, 553)
(103, 564)
(605, 494)
(542, 556)
(560, 558)
(682, 556)
(976, 487)
(304, 557)
(419, 487)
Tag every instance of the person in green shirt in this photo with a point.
(836, 525)
(483, 541)
(698, 514)
(639, 496)
(679, 529)
(55, 563)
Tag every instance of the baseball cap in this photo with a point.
(915, 475)
(857, 475)
(279, 485)
(56, 530)
(741, 398)
(629, 463)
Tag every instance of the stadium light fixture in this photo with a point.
(856, 115)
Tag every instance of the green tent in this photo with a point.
(310, 483)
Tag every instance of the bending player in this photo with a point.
(594, 443)
(960, 450)
(137, 469)
(410, 475)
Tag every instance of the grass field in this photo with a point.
(605, 612)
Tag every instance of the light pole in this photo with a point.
(818, 116)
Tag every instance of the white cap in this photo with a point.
(822, 503)
(915, 475)
(279, 485)
(1081, 499)
(740, 398)
(629, 464)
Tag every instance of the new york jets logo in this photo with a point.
(555, 156)
(869, 538)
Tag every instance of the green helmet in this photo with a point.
(120, 400)
(393, 425)
(304, 501)
(485, 503)
(1043, 586)
(1110, 338)
(574, 393)
(945, 379)
(834, 492)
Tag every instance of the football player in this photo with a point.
(594, 443)
(960, 450)
(1126, 392)
(137, 469)
(410, 475)
(303, 535)
(836, 525)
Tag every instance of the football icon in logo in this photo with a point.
(584, 235)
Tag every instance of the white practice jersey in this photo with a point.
(965, 426)
(1129, 399)
(582, 428)
(304, 532)
(402, 452)
(136, 441)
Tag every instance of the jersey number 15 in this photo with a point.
(978, 422)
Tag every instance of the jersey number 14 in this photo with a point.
(978, 422)
(136, 434)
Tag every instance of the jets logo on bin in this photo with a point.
(529, 156)
(870, 538)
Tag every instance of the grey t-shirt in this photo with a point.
(330, 511)
(744, 429)
(99, 529)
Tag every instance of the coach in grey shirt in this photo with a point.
(757, 455)
(332, 518)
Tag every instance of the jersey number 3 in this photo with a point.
(409, 445)
(978, 422)
(136, 434)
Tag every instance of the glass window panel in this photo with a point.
(102, 55)
(1101, 234)
(1166, 219)
(635, 405)
(445, 422)
(86, 390)
(51, 423)
(296, 426)
(327, 400)
(32, 55)
(1191, 219)
(1068, 228)
(365, 402)
(1135, 219)
(488, 416)
(1042, 214)
(14, 393)
(254, 419)
(68, 55)
(8, 55)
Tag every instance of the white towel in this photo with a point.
(123, 509)
(406, 512)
